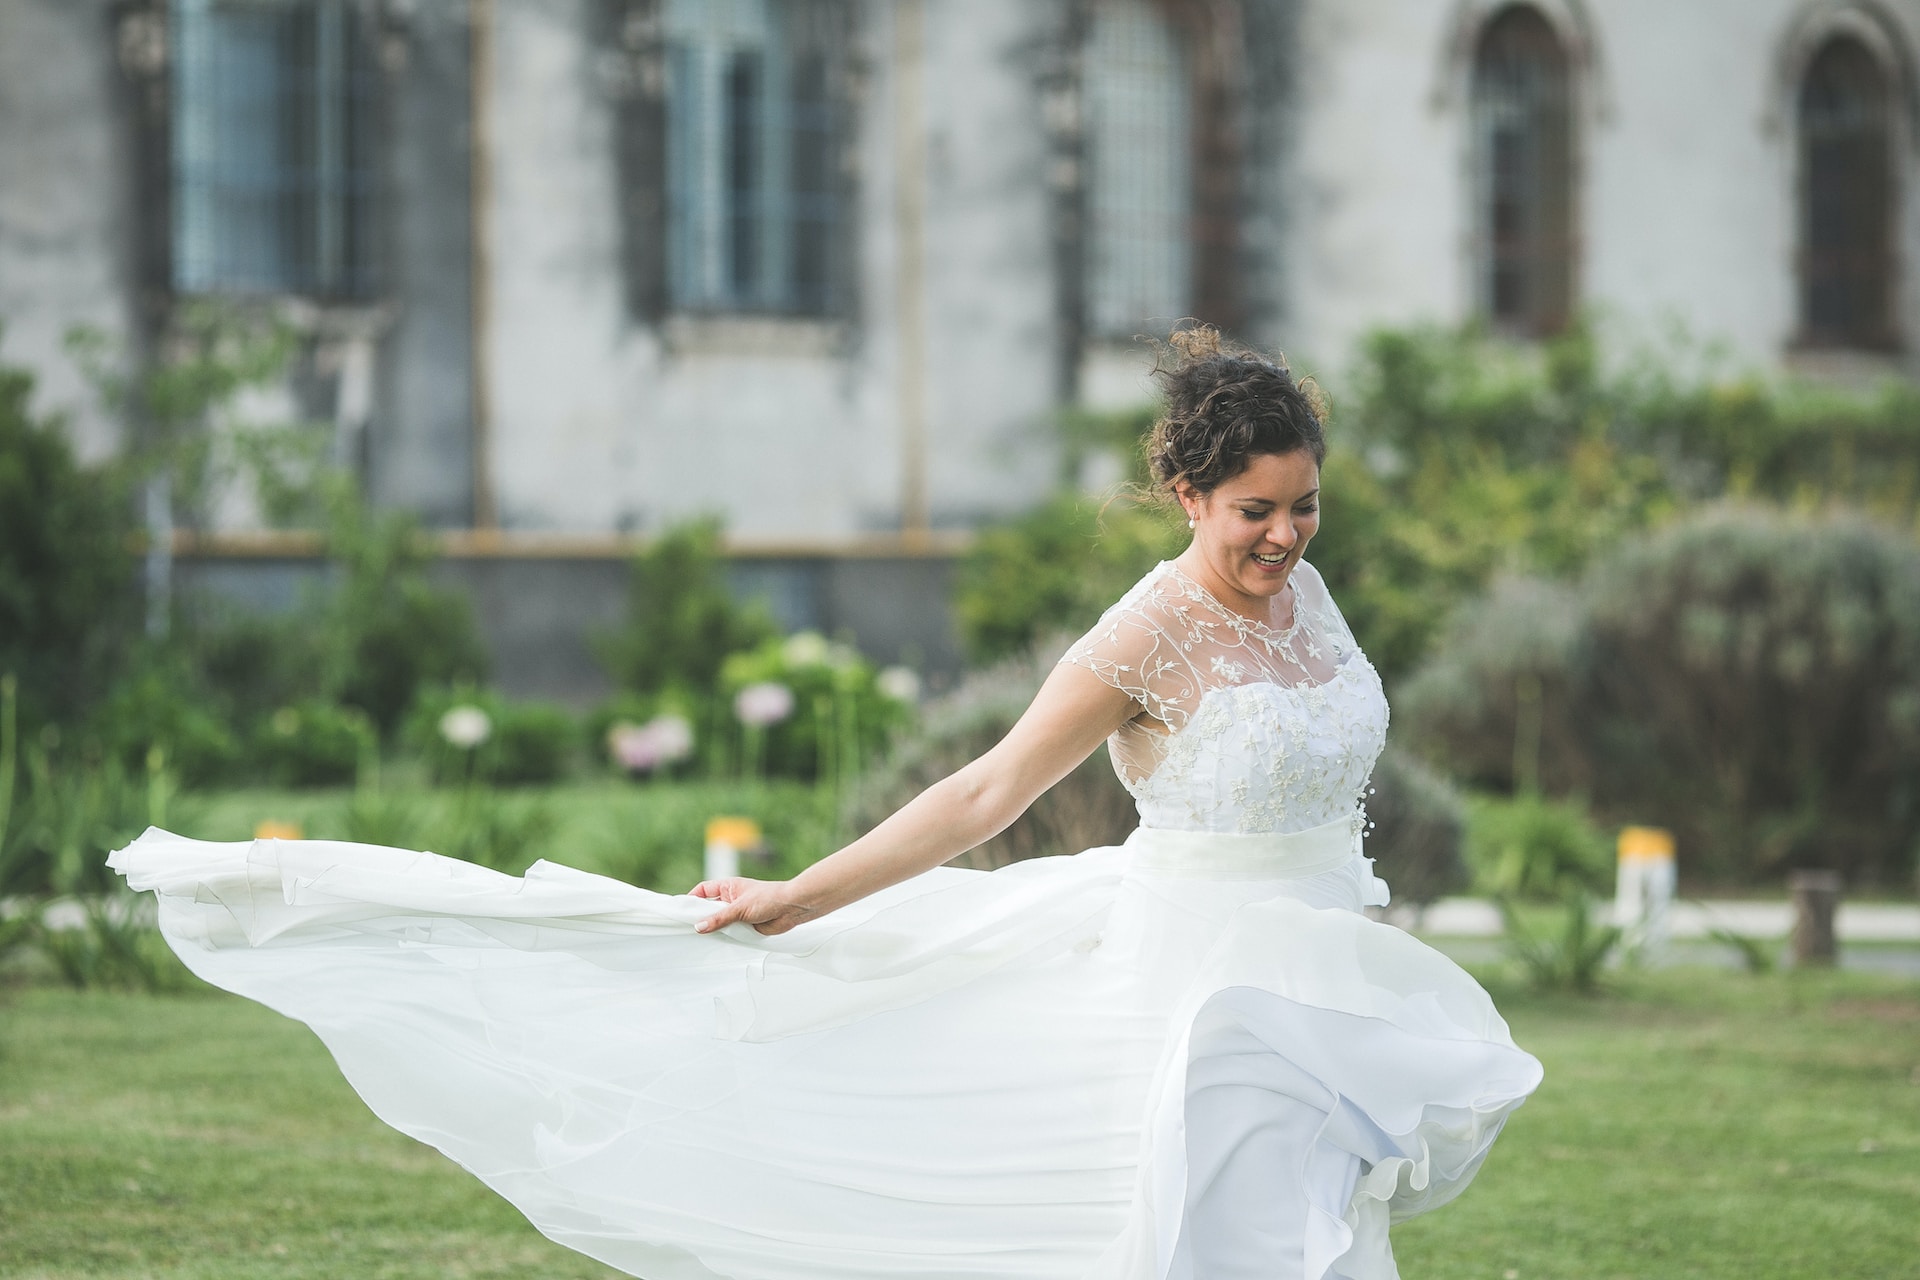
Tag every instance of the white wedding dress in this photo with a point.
(1189, 1057)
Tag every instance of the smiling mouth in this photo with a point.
(1271, 560)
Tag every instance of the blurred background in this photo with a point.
(534, 428)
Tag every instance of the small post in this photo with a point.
(1643, 886)
(1816, 896)
(727, 839)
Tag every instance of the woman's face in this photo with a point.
(1251, 530)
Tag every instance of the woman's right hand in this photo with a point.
(767, 905)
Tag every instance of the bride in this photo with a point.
(1190, 1057)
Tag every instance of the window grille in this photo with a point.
(754, 128)
(1523, 174)
(272, 148)
(1846, 250)
(1139, 192)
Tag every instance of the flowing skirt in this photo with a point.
(1188, 1056)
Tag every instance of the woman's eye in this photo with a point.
(1307, 511)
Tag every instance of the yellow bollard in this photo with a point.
(727, 839)
(272, 830)
(1644, 885)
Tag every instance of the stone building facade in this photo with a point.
(569, 271)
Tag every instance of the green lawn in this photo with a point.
(1694, 1124)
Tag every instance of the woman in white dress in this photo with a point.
(1190, 1057)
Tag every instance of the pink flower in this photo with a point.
(763, 704)
(642, 748)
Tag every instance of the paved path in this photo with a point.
(1856, 922)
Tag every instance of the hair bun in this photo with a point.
(1195, 342)
(1226, 404)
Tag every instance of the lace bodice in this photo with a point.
(1247, 728)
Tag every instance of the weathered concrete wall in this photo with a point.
(1686, 167)
(417, 451)
(783, 427)
(65, 184)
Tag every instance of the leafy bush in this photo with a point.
(1748, 678)
(108, 941)
(68, 810)
(69, 602)
(313, 744)
(1458, 458)
(1056, 569)
(1418, 819)
(1534, 847)
(523, 742)
(387, 632)
(840, 717)
(1570, 960)
(155, 706)
(1086, 809)
(682, 621)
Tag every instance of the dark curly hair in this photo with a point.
(1225, 406)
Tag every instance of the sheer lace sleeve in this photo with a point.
(1132, 649)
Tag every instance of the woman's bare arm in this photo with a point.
(1071, 715)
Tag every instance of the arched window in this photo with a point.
(1139, 194)
(1523, 174)
(1846, 199)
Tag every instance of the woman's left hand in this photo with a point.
(766, 905)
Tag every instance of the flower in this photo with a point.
(763, 704)
(900, 684)
(673, 735)
(805, 649)
(466, 726)
(642, 748)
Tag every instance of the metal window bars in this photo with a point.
(1139, 194)
(754, 128)
(1523, 175)
(1846, 200)
(273, 126)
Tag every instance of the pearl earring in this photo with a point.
(1189, 522)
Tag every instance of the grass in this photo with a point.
(651, 834)
(1693, 1123)
(1700, 1123)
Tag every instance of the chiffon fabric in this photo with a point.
(1188, 1057)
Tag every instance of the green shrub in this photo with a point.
(682, 620)
(313, 744)
(69, 601)
(1531, 847)
(1087, 809)
(523, 742)
(1056, 569)
(69, 810)
(1417, 824)
(1749, 678)
(156, 705)
(840, 719)
(1569, 960)
(386, 631)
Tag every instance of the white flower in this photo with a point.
(672, 735)
(805, 649)
(900, 684)
(466, 726)
(763, 704)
